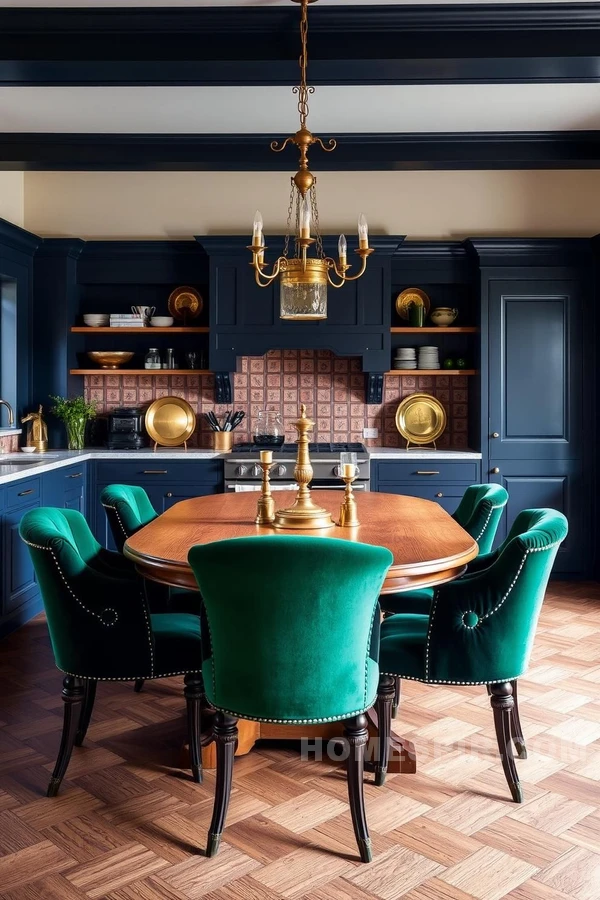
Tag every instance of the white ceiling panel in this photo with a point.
(272, 110)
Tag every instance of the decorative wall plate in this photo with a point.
(409, 296)
(185, 303)
(420, 419)
(170, 421)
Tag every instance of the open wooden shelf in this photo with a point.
(435, 329)
(171, 329)
(121, 372)
(432, 372)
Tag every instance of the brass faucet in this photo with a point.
(11, 415)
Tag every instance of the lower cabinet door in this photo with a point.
(447, 495)
(550, 484)
(20, 585)
(175, 495)
(74, 498)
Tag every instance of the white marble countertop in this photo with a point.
(407, 455)
(14, 466)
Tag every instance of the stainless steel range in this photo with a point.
(242, 471)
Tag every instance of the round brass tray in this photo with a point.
(409, 296)
(185, 303)
(170, 421)
(421, 419)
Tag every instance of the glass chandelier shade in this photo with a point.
(304, 279)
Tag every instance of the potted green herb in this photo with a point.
(75, 412)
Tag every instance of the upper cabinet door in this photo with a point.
(535, 369)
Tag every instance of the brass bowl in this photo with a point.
(110, 359)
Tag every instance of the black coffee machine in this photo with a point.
(126, 429)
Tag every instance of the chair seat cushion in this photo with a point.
(402, 647)
(177, 645)
(416, 602)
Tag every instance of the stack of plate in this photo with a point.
(429, 358)
(406, 358)
(95, 320)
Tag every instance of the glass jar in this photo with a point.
(268, 429)
(152, 359)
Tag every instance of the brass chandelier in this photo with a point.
(304, 279)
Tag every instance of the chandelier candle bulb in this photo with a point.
(363, 233)
(257, 232)
(305, 217)
(342, 250)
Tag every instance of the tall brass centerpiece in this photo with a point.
(303, 514)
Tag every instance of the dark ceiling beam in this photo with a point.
(370, 44)
(242, 152)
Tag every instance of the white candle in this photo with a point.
(266, 456)
(257, 232)
(349, 470)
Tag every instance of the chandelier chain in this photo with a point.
(304, 90)
(286, 246)
(315, 218)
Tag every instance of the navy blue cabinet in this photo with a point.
(20, 592)
(441, 481)
(66, 488)
(165, 481)
(536, 359)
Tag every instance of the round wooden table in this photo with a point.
(428, 546)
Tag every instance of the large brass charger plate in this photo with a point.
(185, 303)
(410, 296)
(170, 421)
(421, 418)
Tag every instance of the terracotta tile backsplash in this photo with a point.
(332, 388)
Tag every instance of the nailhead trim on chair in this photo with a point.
(108, 609)
(482, 618)
(446, 681)
(116, 511)
(341, 717)
(487, 521)
(133, 677)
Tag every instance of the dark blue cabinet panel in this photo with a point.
(66, 488)
(19, 582)
(535, 366)
(535, 484)
(447, 495)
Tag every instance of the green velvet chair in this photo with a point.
(480, 631)
(128, 508)
(479, 512)
(101, 628)
(291, 636)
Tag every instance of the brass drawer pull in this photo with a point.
(155, 472)
(24, 493)
(428, 473)
(77, 475)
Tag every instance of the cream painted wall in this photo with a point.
(12, 197)
(420, 204)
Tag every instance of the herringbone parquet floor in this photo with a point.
(129, 825)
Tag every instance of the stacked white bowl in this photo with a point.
(96, 320)
(429, 358)
(406, 358)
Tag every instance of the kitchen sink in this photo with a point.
(11, 459)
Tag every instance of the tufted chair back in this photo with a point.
(128, 509)
(482, 627)
(98, 621)
(479, 512)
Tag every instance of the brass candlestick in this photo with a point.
(265, 511)
(303, 514)
(348, 510)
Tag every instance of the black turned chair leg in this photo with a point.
(388, 687)
(194, 693)
(357, 735)
(72, 694)
(87, 707)
(139, 684)
(226, 735)
(517, 729)
(502, 702)
(396, 702)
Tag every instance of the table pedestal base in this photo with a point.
(402, 752)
